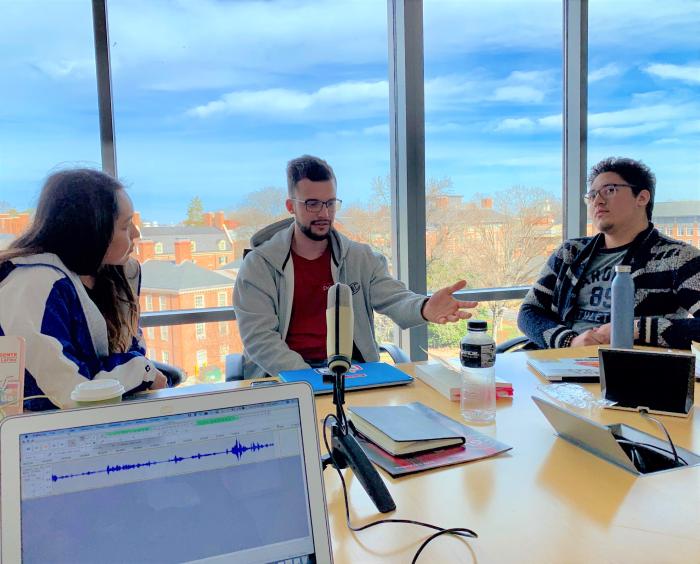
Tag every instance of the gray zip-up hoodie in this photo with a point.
(264, 292)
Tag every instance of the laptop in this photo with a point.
(228, 476)
(361, 376)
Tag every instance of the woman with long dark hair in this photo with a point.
(69, 287)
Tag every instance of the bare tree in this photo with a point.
(509, 238)
(260, 208)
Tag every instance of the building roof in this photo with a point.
(234, 264)
(205, 238)
(166, 275)
(688, 209)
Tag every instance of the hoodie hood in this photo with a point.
(274, 244)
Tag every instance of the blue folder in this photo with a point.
(359, 377)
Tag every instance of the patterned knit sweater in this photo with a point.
(666, 276)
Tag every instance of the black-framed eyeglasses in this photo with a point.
(315, 206)
(606, 192)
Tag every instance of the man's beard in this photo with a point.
(306, 230)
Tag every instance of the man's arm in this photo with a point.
(390, 297)
(676, 332)
(536, 318)
(258, 323)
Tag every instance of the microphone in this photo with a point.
(340, 321)
(345, 451)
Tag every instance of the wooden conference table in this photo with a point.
(545, 501)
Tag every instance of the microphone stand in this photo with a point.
(347, 451)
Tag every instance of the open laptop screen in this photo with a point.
(223, 485)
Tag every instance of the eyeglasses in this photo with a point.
(606, 192)
(315, 206)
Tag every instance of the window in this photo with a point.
(643, 94)
(221, 299)
(199, 301)
(223, 328)
(165, 356)
(149, 302)
(200, 331)
(223, 353)
(150, 333)
(164, 333)
(163, 302)
(687, 229)
(49, 109)
(493, 149)
(215, 91)
(159, 248)
(193, 246)
(201, 358)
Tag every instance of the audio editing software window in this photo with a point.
(226, 485)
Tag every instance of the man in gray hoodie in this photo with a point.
(281, 289)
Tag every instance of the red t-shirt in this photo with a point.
(307, 326)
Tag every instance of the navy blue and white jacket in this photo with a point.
(666, 275)
(66, 334)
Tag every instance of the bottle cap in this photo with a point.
(623, 268)
(477, 325)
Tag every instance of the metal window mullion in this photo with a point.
(575, 116)
(407, 126)
(104, 86)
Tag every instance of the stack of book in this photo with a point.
(446, 378)
(404, 439)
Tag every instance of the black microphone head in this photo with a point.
(339, 327)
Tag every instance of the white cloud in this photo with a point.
(607, 71)
(638, 115)
(66, 68)
(519, 94)
(551, 122)
(380, 129)
(686, 73)
(346, 99)
(692, 126)
(624, 132)
(516, 124)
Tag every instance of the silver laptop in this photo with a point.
(602, 440)
(229, 476)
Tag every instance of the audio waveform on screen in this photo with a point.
(238, 450)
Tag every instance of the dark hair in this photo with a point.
(306, 166)
(74, 220)
(634, 172)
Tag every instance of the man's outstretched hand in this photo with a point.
(443, 308)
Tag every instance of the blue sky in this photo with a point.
(212, 98)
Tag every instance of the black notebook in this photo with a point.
(401, 430)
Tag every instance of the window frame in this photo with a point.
(407, 146)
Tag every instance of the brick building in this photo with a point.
(199, 349)
(14, 223)
(208, 246)
(680, 220)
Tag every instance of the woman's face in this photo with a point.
(125, 232)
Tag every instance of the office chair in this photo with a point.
(515, 344)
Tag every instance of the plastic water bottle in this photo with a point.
(478, 356)
(622, 310)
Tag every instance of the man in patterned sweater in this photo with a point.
(569, 305)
